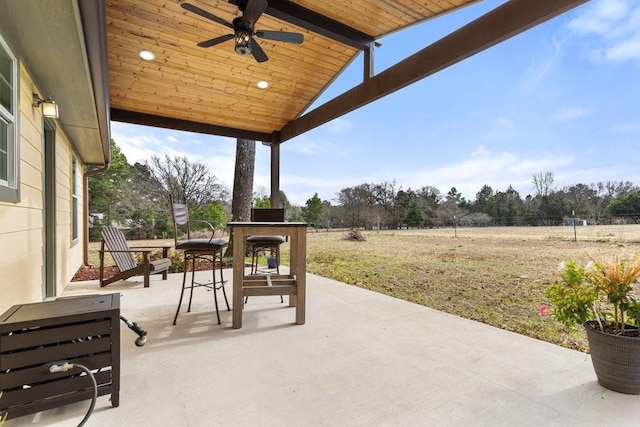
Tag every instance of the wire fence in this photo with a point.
(625, 233)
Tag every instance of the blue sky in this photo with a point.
(563, 97)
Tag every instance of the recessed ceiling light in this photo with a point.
(263, 84)
(147, 55)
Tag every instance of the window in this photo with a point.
(74, 199)
(4, 151)
(8, 134)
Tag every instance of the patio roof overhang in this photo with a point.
(84, 54)
(214, 91)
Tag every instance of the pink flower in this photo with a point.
(543, 310)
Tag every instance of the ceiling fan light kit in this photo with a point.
(243, 42)
(243, 29)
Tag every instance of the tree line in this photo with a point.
(387, 205)
(137, 198)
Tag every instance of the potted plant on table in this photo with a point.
(602, 297)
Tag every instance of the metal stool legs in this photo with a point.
(213, 285)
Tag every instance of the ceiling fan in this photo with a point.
(243, 29)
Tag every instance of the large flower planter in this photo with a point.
(616, 360)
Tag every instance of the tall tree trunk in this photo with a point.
(242, 185)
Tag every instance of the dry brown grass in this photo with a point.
(493, 275)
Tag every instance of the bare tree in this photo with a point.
(543, 183)
(187, 181)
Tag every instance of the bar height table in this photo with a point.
(245, 285)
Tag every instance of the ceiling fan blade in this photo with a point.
(215, 41)
(257, 51)
(252, 12)
(280, 36)
(205, 14)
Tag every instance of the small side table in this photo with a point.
(82, 329)
(294, 285)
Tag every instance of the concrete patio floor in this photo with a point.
(361, 359)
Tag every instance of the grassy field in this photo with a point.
(492, 275)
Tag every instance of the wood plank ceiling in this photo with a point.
(213, 90)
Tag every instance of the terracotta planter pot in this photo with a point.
(616, 359)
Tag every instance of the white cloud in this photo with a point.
(569, 113)
(491, 129)
(535, 74)
(138, 148)
(626, 128)
(503, 123)
(300, 188)
(541, 66)
(498, 170)
(625, 50)
(303, 145)
(480, 167)
(480, 151)
(339, 125)
(600, 16)
(223, 167)
(139, 143)
(306, 144)
(610, 30)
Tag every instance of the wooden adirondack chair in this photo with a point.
(114, 242)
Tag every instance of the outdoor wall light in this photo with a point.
(49, 106)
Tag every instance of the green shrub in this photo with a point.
(601, 292)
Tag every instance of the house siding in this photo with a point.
(22, 224)
(69, 252)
